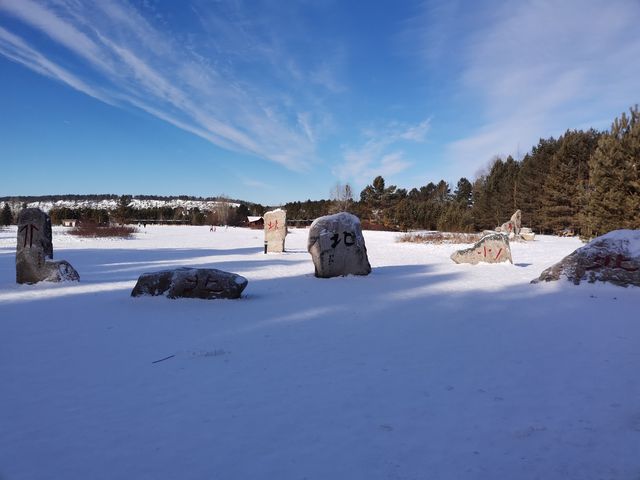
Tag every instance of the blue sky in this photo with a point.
(273, 101)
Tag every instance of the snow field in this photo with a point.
(422, 370)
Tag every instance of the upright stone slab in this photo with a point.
(275, 230)
(492, 248)
(34, 246)
(516, 220)
(512, 227)
(34, 251)
(337, 246)
(612, 258)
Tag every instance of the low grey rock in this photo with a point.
(527, 234)
(612, 258)
(59, 271)
(337, 246)
(205, 283)
(34, 251)
(492, 248)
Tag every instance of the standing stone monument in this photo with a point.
(34, 251)
(337, 246)
(516, 220)
(492, 248)
(275, 230)
(513, 226)
(613, 258)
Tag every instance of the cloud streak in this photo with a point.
(114, 54)
(381, 153)
(533, 69)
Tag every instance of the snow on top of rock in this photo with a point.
(625, 240)
(344, 218)
(613, 258)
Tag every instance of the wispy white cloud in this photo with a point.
(253, 183)
(416, 133)
(117, 55)
(533, 69)
(325, 75)
(14, 48)
(381, 153)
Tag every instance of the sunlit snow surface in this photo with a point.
(422, 370)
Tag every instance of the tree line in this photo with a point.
(584, 182)
(224, 213)
(107, 196)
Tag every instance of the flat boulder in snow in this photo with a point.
(527, 234)
(492, 248)
(205, 283)
(613, 258)
(337, 246)
(34, 251)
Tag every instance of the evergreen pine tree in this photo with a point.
(482, 211)
(495, 194)
(463, 192)
(6, 218)
(563, 195)
(377, 197)
(632, 147)
(614, 193)
(533, 171)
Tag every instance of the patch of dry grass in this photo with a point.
(88, 229)
(366, 225)
(440, 237)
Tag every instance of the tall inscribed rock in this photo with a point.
(34, 251)
(275, 230)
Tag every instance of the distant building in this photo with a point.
(69, 222)
(255, 222)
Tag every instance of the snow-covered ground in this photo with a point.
(422, 370)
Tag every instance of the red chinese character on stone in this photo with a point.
(605, 261)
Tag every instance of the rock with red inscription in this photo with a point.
(512, 227)
(275, 230)
(34, 251)
(205, 283)
(337, 248)
(612, 258)
(492, 248)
